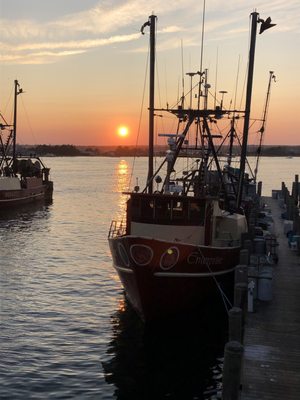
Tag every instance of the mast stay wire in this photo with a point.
(140, 117)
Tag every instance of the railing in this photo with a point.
(117, 228)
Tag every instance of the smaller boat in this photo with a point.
(23, 179)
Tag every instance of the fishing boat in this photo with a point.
(178, 247)
(23, 179)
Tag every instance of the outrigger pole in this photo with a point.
(262, 129)
(151, 23)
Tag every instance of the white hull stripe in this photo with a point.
(21, 198)
(179, 274)
(191, 274)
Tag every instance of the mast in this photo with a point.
(18, 90)
(265, 24)
(254, 16)
(151, 23)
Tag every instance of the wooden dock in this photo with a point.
(271, 367)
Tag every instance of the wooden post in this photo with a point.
(282, 189)
(259, 246)
(259, 188)
(241, 274)
(244, 257)
(290, 207)
(249, 246)
(296, 189)
(240, 295)
(296, 219)
(232, 370)
(235, 325)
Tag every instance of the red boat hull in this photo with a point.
(163, 278)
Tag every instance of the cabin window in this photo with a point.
(147, 208)
(178, 210)
(167, 211)
(162, 210)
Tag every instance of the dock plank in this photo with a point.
(271, 368)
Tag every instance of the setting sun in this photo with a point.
(123, 131)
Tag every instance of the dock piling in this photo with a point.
(232, 370)
(235, 324)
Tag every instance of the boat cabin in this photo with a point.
(183, 219)
(166, 210)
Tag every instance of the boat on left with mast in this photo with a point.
(23, 179)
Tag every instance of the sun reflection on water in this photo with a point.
(122, 178)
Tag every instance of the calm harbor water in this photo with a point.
(66, 331)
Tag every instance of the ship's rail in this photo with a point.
(117, 228)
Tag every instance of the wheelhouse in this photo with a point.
(166, 209)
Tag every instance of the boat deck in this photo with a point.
(271, 367)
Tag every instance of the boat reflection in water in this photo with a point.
(30, 211)
(174, 359)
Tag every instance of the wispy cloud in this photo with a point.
(100, 26)
(51, 51)
(112, 22)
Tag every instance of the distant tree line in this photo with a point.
(57, 150)
(66, 150)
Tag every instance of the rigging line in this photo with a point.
(182, 76)
(166, 85)
(247, 67)
(264, 120)
(222, 293)
(202, 42)
(4, 120)
(236, 82)
(247, 162)
(201, 55)
(8, 102)
(28, 121)
(159, 95)
(140, 118)
(216, 77)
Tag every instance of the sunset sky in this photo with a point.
(82, 63)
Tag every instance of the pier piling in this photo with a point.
(235, 324)
(232, 370)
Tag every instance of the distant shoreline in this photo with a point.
(140, 151)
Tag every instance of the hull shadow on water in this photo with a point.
(180, 358)
(26, 211)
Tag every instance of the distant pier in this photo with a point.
(262, 357)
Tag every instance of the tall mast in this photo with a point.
(18, 90)
(265, 24)
(254, 21)
(151, 23)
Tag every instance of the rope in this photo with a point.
(222, 293)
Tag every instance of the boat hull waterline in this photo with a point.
(14, 198)
(164, 278)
